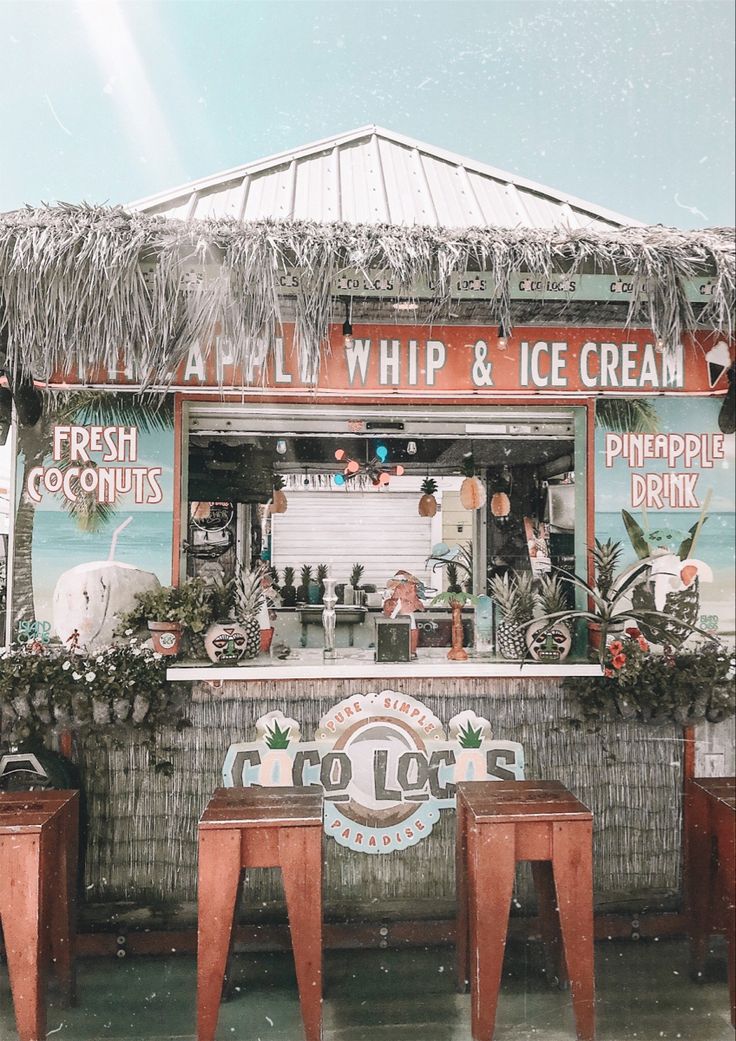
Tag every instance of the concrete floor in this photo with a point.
(644, 994)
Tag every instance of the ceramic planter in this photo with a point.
(225, 642)
(166, 637)
(549, 642)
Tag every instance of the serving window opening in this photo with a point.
(456, 502)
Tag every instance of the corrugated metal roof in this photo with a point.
(375, 176)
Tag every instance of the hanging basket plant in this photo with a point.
(428, 504)
(472, 490)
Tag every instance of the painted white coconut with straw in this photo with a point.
(90, 598)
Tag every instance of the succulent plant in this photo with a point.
(356, 574)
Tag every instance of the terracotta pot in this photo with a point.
(266, 638)
(166, 637)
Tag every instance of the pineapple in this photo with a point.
(428, 503)
(472, 490)
(305, 577)
(279, 502)
(322, 572)
(355, 575)
(249, 601)
(288, 590)
(515, 597)
(453, 586)
(552, 597)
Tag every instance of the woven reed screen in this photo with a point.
(143, 826)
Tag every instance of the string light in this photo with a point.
(347, 329)
(503, 338)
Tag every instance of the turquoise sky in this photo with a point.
(626, 104)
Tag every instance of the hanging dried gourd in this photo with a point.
(428, 503)
(279, 503)
(472, 490)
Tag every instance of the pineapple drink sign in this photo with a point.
(384, 762)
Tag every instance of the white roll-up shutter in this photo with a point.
(380, 530)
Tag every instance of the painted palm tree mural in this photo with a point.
(146, 413)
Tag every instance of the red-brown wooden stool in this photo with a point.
(38, 878)
(498, 824)
(710, 872)
(251, 828)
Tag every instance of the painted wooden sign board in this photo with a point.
(384, 761)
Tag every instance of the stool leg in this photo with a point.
(21, 898)
(572, 860)
(62, 901)
(727, 887)
(300, 854)
(549, 922)
(698, 870)
(491, 865)
(219, 877)
(461, 890)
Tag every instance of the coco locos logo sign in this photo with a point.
(384, 762)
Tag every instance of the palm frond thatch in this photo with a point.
(85, 287)
(627, 415)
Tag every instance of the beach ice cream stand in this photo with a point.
(409, 393)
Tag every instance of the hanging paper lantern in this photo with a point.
(500, 505)
(428, 503)
(472, 493)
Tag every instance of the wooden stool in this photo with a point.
(498, 824)
(710, 845)
(38, 880)
(250, 828)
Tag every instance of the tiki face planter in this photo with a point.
(225, 642)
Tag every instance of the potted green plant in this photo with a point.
(609, 608)
(171, 611)
(322, 572)
(514, 596)
(351, 594)
(683, 686)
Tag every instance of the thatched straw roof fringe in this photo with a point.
(80, 284)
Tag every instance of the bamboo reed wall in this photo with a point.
(143, 825)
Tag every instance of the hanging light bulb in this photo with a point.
(281, 446)
(347, 329)
(411, 448)
(659, 346)
(503, 338)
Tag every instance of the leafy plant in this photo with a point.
(680, 687)
(356, 574)
(453, 586)
(450, 597)
(189, 604)
(107, 693)
(288, 590)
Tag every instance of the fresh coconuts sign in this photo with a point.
(384, 761)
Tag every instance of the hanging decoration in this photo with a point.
(500, 500)
(375, 469)
(472, 490)
(279, 502)
(428, 503)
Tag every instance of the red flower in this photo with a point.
(633, 632)
(608, 673)
(619, 661)
(616, 647)
(643, 643)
